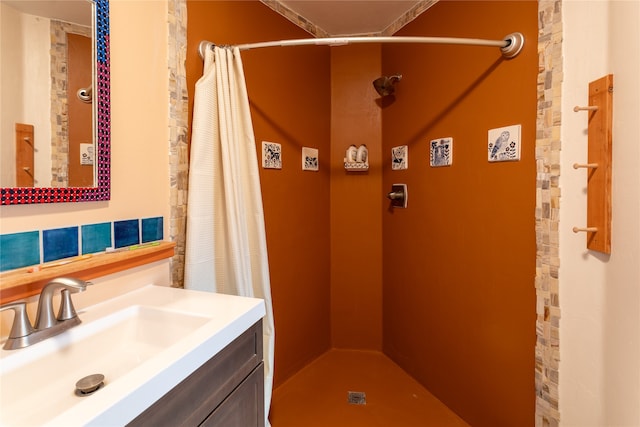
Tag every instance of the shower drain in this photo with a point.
(357, 398)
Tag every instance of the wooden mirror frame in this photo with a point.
(102, 124)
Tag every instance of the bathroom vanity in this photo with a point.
(226, 391)
(169, 357)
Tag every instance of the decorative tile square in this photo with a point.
(441, 152)
(400, 157)
(271, 155)
(59, 243)
(309, 159)
(95, 237)
(504, 144)
(126, 233)
(19, 250)
(152, 229)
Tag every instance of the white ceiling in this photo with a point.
(333, 17)
(352, 17)
(75, 11)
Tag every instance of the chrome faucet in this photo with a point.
(47, 324)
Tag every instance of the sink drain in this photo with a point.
(90, 384)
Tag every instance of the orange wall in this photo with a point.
(356, 200)
(289, 96)
(79, 71)
(459, 263)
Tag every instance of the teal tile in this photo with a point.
(59, 243)
(96, 237)
(152, 229)
(19, 250)
(126, 233)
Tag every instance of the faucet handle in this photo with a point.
(46, 317)
(21, 325)
(67, 311)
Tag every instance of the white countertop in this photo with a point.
(218, 320)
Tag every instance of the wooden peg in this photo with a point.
(585, 165)
(589, 108)
(585, 229)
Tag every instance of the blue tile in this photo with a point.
(60, 243)
(19, 250)
(126, 233)
(152, 229)
(96, 237)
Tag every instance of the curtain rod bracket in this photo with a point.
(202, 47)
(515, 41)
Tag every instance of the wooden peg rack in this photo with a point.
(600, 119)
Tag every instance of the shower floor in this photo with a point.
(317, 396)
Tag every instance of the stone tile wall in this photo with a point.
(547, 351)
(178, 128)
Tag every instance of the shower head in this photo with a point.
(384, 85)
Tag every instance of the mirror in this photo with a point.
(90, 92)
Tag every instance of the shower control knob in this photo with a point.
(398, 195)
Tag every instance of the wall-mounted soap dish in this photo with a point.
(356, 166)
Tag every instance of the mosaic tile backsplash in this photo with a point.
(27, 248)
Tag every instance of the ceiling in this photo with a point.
(322, 18)
(75, 11)
(329, 18)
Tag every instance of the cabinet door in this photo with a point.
(244, 407)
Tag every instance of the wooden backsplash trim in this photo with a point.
(19, 284)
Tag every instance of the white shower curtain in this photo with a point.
(226, 249)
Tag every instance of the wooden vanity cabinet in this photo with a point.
(227, 391)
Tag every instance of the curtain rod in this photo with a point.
(510, 46)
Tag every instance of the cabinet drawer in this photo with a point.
(191, 401)
(244, 407)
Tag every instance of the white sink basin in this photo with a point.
(111, 346)
(144, 343)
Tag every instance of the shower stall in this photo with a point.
(443, 288)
